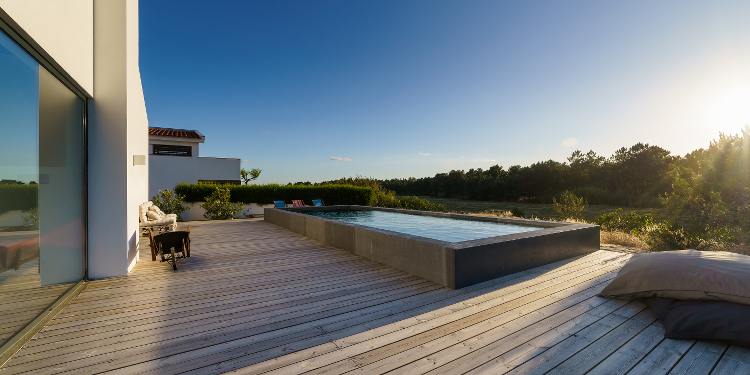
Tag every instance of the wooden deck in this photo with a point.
(255, 298)
(22, 297)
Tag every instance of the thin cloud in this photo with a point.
(245, 161)
(340, 159)
(424, 154)
(483, 160)
(570, 142)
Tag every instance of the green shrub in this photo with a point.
(18, 197)
(266, 194)
(419, 204)
(669, 236)
(219, 207)
(32, 219)
(628, 223)
(517, 212)
(383, 197)
(170, 202)
(570, 206)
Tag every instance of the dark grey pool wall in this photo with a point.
(452, 264)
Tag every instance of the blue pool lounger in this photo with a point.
(317, 202)
(279, 204)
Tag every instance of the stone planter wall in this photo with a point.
(12, 218)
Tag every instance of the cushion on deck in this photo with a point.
(709, 320)
(688, 275)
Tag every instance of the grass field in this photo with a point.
(541, 211)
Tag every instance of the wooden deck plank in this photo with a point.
(256, 298)
(550, 357)
(444, 324)
(586, 359)
(22, 297)
(504, 362)
(629, 355)
(146, 332)
(735, 361)
(663, 357)
(700, 359)
(386, 325)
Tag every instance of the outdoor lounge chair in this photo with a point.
(167, 245)
(152, 217)
(279, 204)
(298, 203)
(318, 202)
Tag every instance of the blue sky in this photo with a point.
(317, 90)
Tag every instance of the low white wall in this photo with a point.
(167, 171)
(14, 218)
(195, 212)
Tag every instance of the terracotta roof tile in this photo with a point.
(180, 133)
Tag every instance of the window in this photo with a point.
(173, 150)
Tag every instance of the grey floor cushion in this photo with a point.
(687, 275)
(709, 320)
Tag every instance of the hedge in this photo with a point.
(266, 194)
(18, 197)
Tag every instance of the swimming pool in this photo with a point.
(439, 228)
(469, 249)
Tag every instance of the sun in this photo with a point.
(729, 113)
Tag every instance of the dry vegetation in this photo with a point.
(622, 239)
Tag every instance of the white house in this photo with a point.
(174, 156)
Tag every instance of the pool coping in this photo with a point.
(451, 264)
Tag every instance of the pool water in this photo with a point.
(438, 228)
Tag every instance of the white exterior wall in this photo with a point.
(166, 171)
(118, 130)
(63, 32)
(94, 44)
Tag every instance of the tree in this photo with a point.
(250, 175)
(570, 206)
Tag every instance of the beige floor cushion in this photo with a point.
(687, 275)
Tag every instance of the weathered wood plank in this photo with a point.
(735, 361)
(414, 335)
(700, 359)
(627, 356)
(663, 357)
(504, 362)
(558, 353)
(602, 348)
(387, 325)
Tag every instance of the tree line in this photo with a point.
(636, 176)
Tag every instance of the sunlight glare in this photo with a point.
(731, 112)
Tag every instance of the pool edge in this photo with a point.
(451, 264)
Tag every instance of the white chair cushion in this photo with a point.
(157, 211)
(142, 209)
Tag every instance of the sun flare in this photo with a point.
(731, 112)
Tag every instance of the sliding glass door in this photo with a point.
(42, 194)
